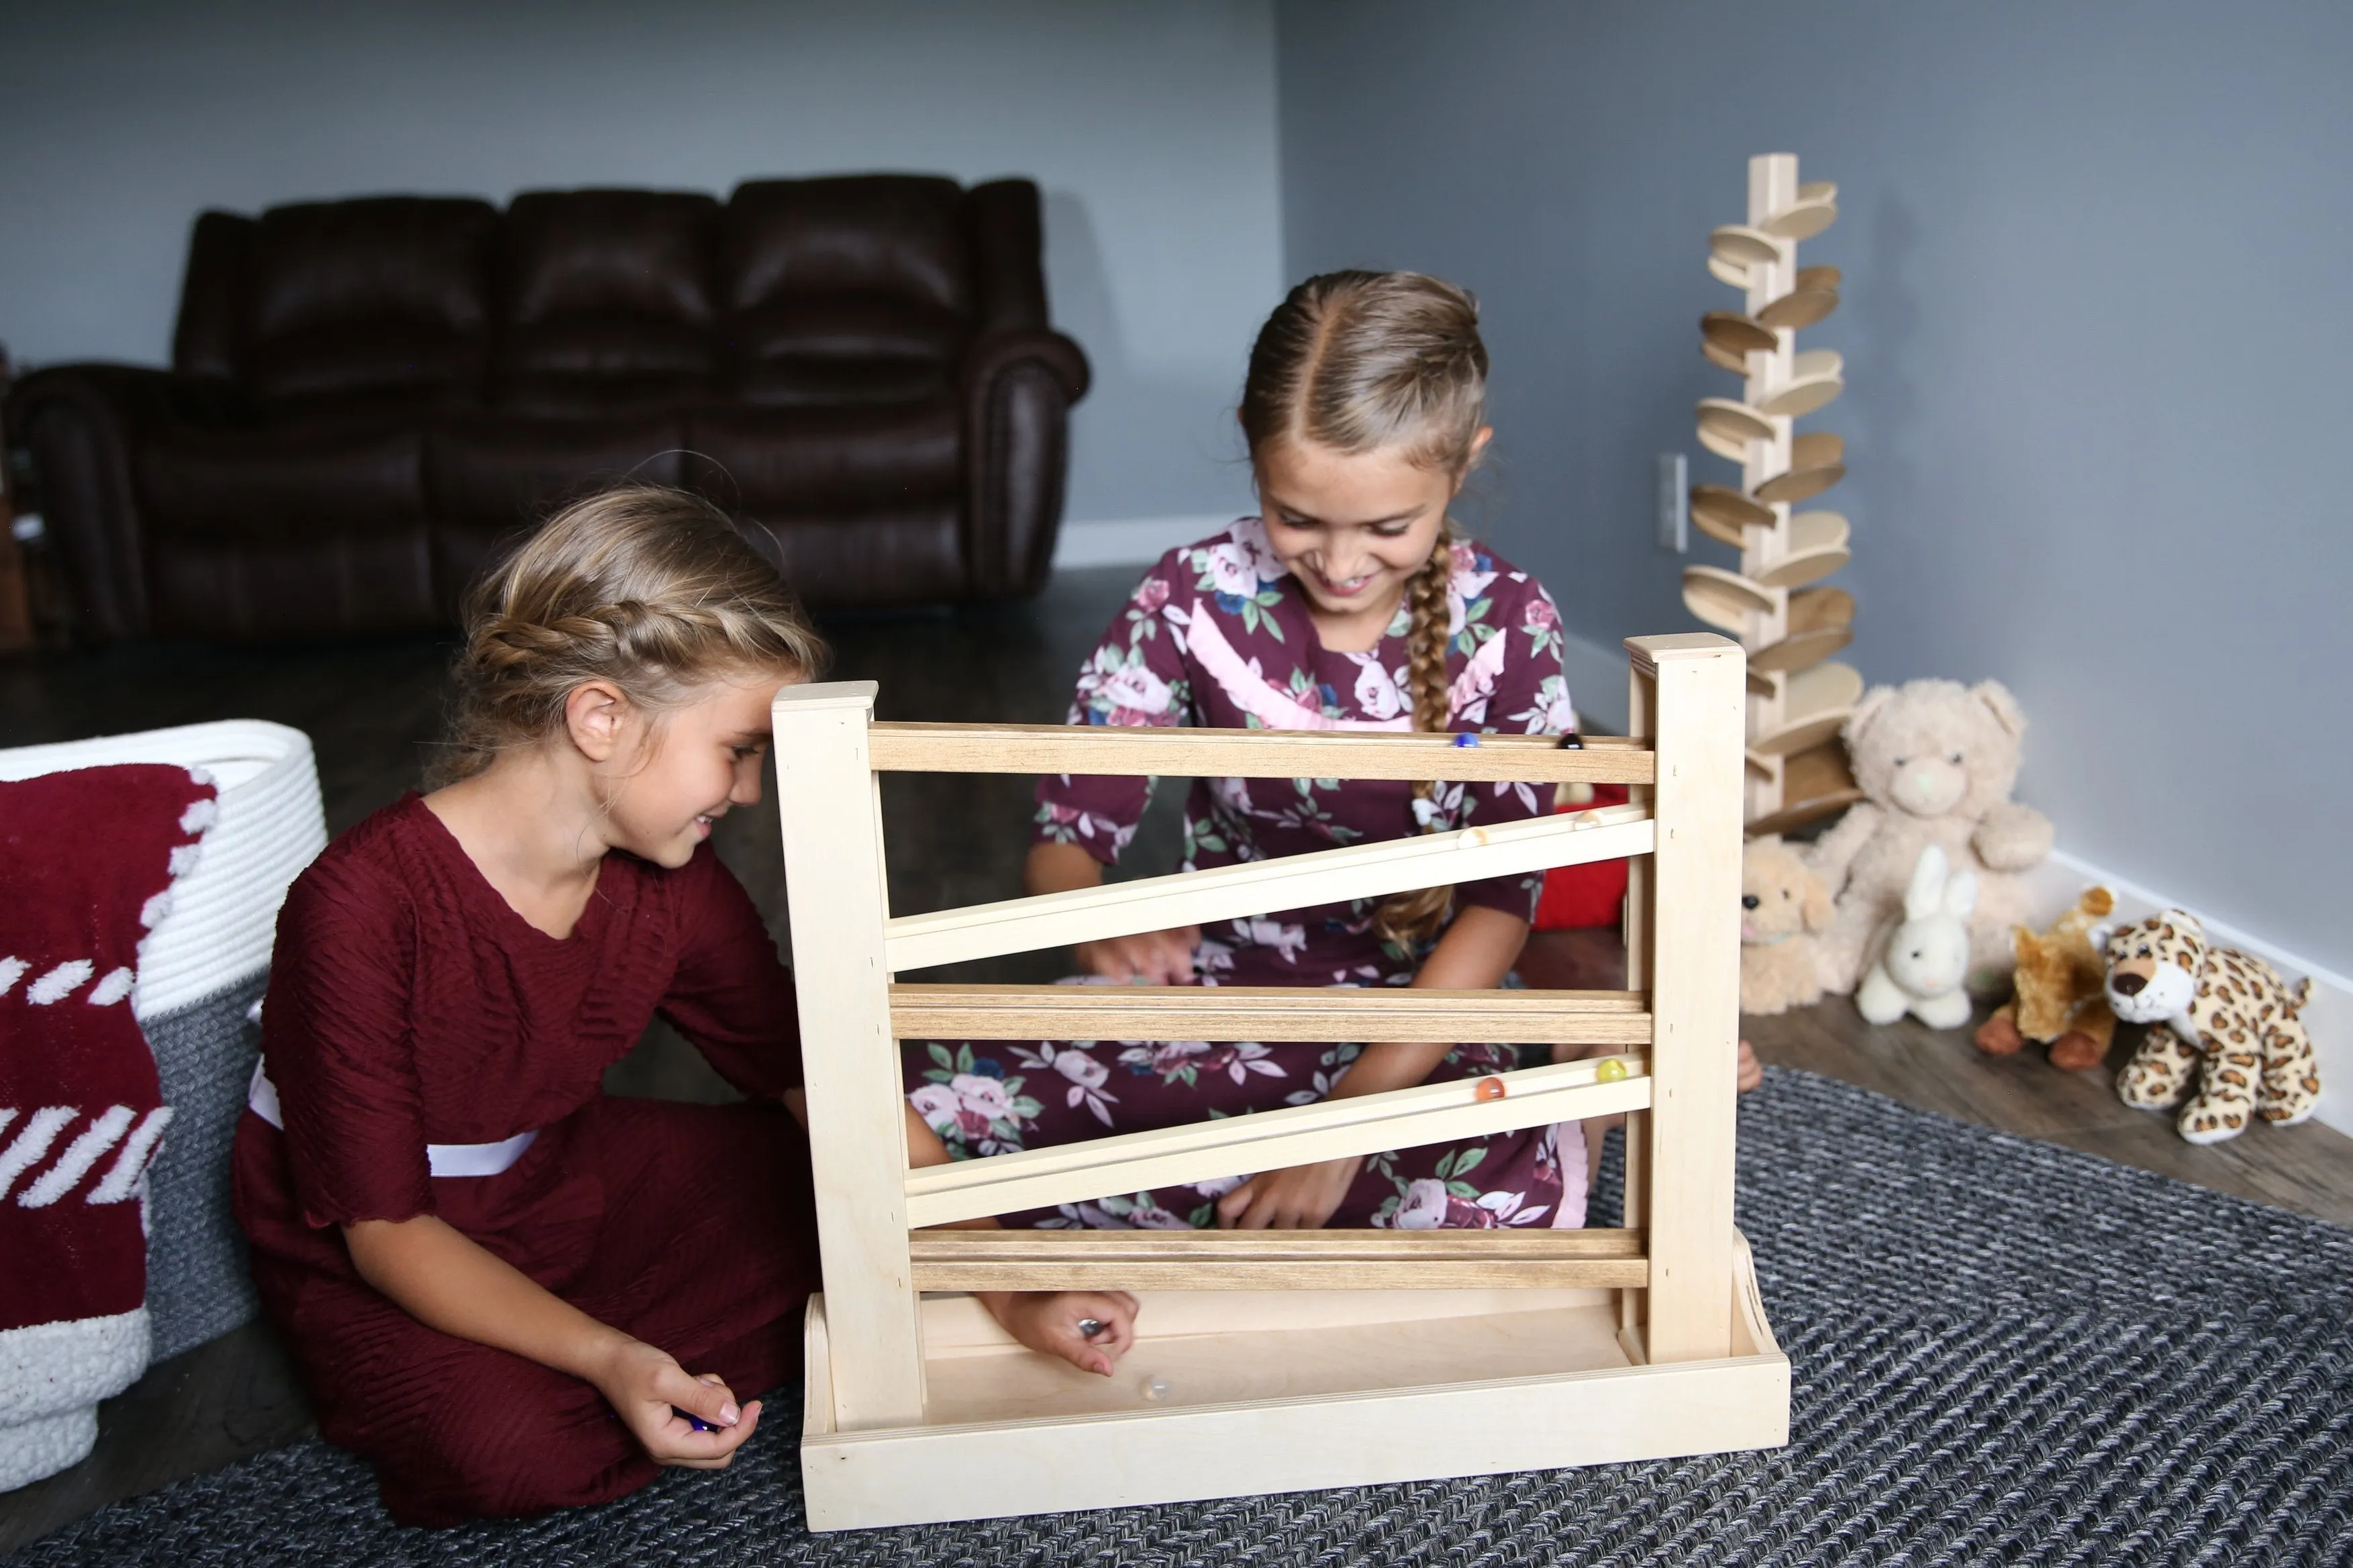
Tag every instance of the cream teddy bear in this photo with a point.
(1935, 761)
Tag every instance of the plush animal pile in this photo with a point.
(1935, 761)
(2061, 998)
(2220, 1021)
(1784, 908)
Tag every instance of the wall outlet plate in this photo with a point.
(1674, 503)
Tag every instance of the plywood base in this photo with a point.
(1238, 1394)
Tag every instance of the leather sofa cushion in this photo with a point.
(383, 368)
(893, 234)
(608, 303)
(600, 363)
(646, 253)
(814, 460)
(503, 470)
(386, 293)
(282, 483)
(897, 556)
(844, 348)
(331, 585)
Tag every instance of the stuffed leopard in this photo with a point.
(2211, 1007)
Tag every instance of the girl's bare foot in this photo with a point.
(1056, 1323)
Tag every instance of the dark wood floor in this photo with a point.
(371, 710)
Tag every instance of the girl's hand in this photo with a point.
(1751, 1072)
(648, 1390)
(1300, 1198)
(1047, 1322)
(1149, 958)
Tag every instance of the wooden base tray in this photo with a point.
(1238, 1394)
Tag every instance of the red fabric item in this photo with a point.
(409, 1005)
(87, 859)
(1576, 897)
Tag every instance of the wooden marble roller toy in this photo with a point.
(1276, 1361)
(1796, 766)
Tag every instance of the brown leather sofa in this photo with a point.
(367, 396)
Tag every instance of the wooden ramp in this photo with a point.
(1276, 1361)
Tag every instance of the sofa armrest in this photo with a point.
(1008, 259)
(82, 424)
(1016, 389)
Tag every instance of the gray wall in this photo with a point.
(1150, 129)
(2097, 325)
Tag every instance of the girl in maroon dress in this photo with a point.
(508, 1291)
(1348, 603)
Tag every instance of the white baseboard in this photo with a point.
(1131, 541)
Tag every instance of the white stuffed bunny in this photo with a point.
(1923, 959)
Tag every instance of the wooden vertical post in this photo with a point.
(1643, 725)
(1700, 687)
(1772, 187)
(834, 880)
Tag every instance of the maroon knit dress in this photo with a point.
(409, 1005)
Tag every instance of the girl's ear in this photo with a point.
(594, 717)
(1478, 439)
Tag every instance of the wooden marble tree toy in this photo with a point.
(1796, 770)
(1276, 1361)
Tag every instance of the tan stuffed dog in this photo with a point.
(2063, 991)
(1784, 907)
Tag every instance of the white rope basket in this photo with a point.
(224, 913)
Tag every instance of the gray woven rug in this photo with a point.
(2003, 1353)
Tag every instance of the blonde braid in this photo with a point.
(1409, 920)
(652, 591)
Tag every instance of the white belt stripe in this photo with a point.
(445, 1159)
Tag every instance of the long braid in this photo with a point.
(1366, 362)
(1411, 919)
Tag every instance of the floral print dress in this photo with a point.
(1219, 634)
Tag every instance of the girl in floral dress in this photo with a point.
(1349, 602)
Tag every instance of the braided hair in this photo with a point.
(651, 589)
(1359, 362)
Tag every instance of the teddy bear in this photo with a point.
(1935, 761)
(1784, 907)
(2217, 1017)
(2061, 997)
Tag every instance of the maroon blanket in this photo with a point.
(88, 859)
